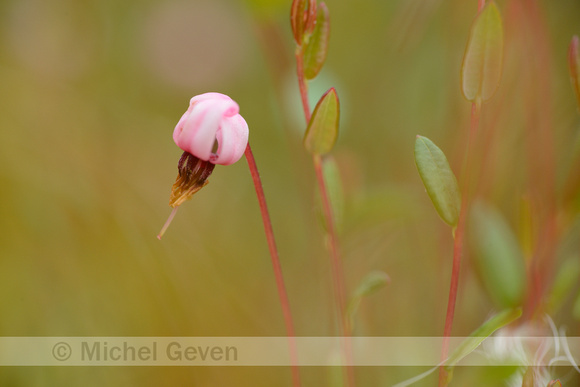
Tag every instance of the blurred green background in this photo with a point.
(91, 91)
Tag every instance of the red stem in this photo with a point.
(458, 242)
(283, 295)
(480, 5)
(302, 84)
(337, 270)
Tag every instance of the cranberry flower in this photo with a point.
(210, 132)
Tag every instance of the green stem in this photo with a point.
(282, 294)
(339, 287)
(458, 242)
(337, 270)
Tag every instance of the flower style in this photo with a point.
(210, 132)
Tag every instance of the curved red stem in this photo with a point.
(282, 294)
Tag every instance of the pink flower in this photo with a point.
(210, 132)
(212, 129)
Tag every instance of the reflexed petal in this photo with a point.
(200, 127)
(179, 127)
(232, 138)
(212, 117)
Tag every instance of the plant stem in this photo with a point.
(283, 295)
(302, 84)
(480, 5)
(337, 270)
(458, 241)
(339, 287)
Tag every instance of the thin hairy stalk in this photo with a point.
(339, 287)
(283, 295)
(458, 241)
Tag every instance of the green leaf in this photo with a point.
(417, 378)
(482, 62)
(497, 256)
(438, 179)
(317, 45)
(297, 19)
(302, 18)
(372, 282)
(322, 130)
(480, 334)
(471, 343)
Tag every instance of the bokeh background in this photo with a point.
(91, 91)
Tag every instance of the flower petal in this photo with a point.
(232, 138)
(211, 118)
(179, 127)
(205, 96)
(198, 131)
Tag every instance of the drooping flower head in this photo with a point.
(210, 132)
(212, 129)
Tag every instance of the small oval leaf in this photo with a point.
(500, 320)
(438, 179)
(574, 66)
(322, 130)
(482, 62)
(317, 45)
(497, 256)
(297, 19)
(372, 282)
(302, 18)
(471, 343)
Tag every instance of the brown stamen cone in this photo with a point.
(192, 177)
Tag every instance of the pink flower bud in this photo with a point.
(210, 132)
(212, 129)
